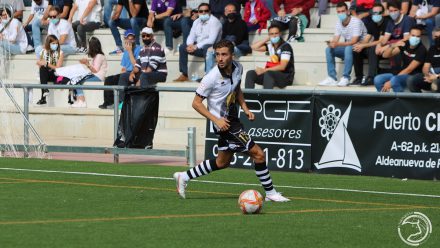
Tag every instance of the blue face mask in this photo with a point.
(275, 40)
(53, 47)
(395, 15)
(376, 18)
(204, 17)
(55, 21)
(414, 41)
(342, 16)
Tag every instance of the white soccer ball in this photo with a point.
(250, 202)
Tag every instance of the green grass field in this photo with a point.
(42, 209)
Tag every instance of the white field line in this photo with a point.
(225, 183)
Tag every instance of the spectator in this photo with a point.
(280, 69)
(64, 8)
(270, 6)
(367, 48)
(98, 67)
(234, 30)
(37, 11)
(13, 38)
(218, 7)
(352, 30)
(151, 65)
(17, 6)
(178, 22)
(413, 54)
(405, 4)
(206, 30)
(88, 20)
(51, 57)
(431, 68)
(290, 13)
(131, 52)
(256, 15)
(361, 9)
(397, 30)
(425, 12)
(108, 9)
(138, 12)
(62, 29)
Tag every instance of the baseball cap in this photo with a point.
(128, 32)
(147, 30)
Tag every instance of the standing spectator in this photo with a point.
(178, 22)
(138, 12)
(108, 9)
(352, 30)
(280, 69)
(431, 69)
(88, 20)
(51, 58)
(425, 12)
(256, 15)
(13, 38)
(413, 54)
(64, 8)
(62, 29)
(37, 11)
(97, 66)
(367, 48)
(292, 12)
(17, 6)
(128, 61)
(205, 31)
(232, 31)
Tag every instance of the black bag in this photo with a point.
(292, 23)
(138, 119)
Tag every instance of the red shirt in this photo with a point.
(306, 5)
(261, 13)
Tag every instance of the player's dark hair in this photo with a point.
(224, 43)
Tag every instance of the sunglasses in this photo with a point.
(52, 17)
(204, 11)
(146, 35)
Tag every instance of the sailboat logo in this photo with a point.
(339, 152)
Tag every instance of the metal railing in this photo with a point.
(189, 153)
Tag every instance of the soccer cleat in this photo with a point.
(276, 197)
(180, 184)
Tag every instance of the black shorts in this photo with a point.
(235, 139)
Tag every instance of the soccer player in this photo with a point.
(221, 88)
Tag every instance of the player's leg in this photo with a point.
(263, 174)
(204, 168)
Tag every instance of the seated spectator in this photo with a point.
(234, 30)
(431, 68)
(206, 30)
(405, 5)
(88, 19)
(50, 58)
(138, 12)
(413, 54)
(256, 15)
(97, 66)
(397, 30)
(62, 29)
(64, 8)
(290, 13)
(425, 12)
(367, 47)
(161, 13)
(217, 7)
(280, 69)
(37, 11)
(13, 38)
(17, 6)
(108, 9)
(352, 30)
(131, 52)
(361, 9)
(151, 65)
(180, 22)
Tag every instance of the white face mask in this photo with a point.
(4, 21)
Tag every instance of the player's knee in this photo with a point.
(259, 156)
(222, 164)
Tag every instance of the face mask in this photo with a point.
(376, 18)
(231, 16)
(342, 16)
(394, 15)
(414, 41)
(204, 17)
(53, 47)
(275, 40)
(55, 21)
(147, 42)
(4, 21)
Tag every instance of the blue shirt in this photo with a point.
(125, 62)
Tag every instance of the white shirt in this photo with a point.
(204, 33)
(16, 4)
(219, 91)
(354, 28)
(94, 15)
(38, 10)
(63, 27)
(15, 34)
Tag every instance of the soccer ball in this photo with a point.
(250, 202)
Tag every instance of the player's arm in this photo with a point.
(198, 105)
(243, 105)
